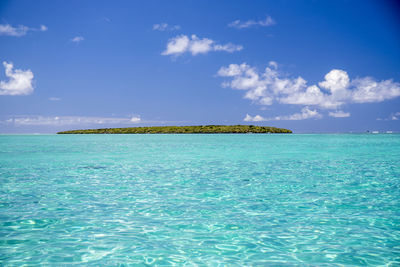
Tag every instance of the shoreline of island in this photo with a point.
(198, 129)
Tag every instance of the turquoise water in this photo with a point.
(200, 199)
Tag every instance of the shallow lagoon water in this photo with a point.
(251, 199)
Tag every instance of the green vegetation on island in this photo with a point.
(202, 129)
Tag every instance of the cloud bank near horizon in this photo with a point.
(69, 120)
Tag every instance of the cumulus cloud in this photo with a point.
(18, 31)
(165, 27)
(255, 118)
(268, 21)
(69, 120)
(77, 39)
(20, 82)
(370, 90)
(306, 113)
(339, 114)
(194, 45)
(336, 90)
(335, 80)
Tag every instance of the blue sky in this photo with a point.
(309, 66)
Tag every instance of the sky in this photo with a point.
(309, 66)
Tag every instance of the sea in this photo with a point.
(200, 199)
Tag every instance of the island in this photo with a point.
(200, 129)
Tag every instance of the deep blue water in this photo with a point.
(200, 199)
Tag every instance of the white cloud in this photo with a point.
(273, 64)
(165, 27)
(368, 90)
(336, 80)
(69, 120)
(255, 118)
(77, 39)
(20, 82)
(227, 47)
(269, 86)
(43, 28)
(135, 119)
(177, 45)
(7, 29)
(200, 46)
(268, 21)
(339, 114)
(392, 117)
(305, 113)
(18, 31)
(194, 45)
(54, 98)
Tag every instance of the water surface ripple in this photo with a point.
(200, 199)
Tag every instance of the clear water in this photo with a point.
(200, 199)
